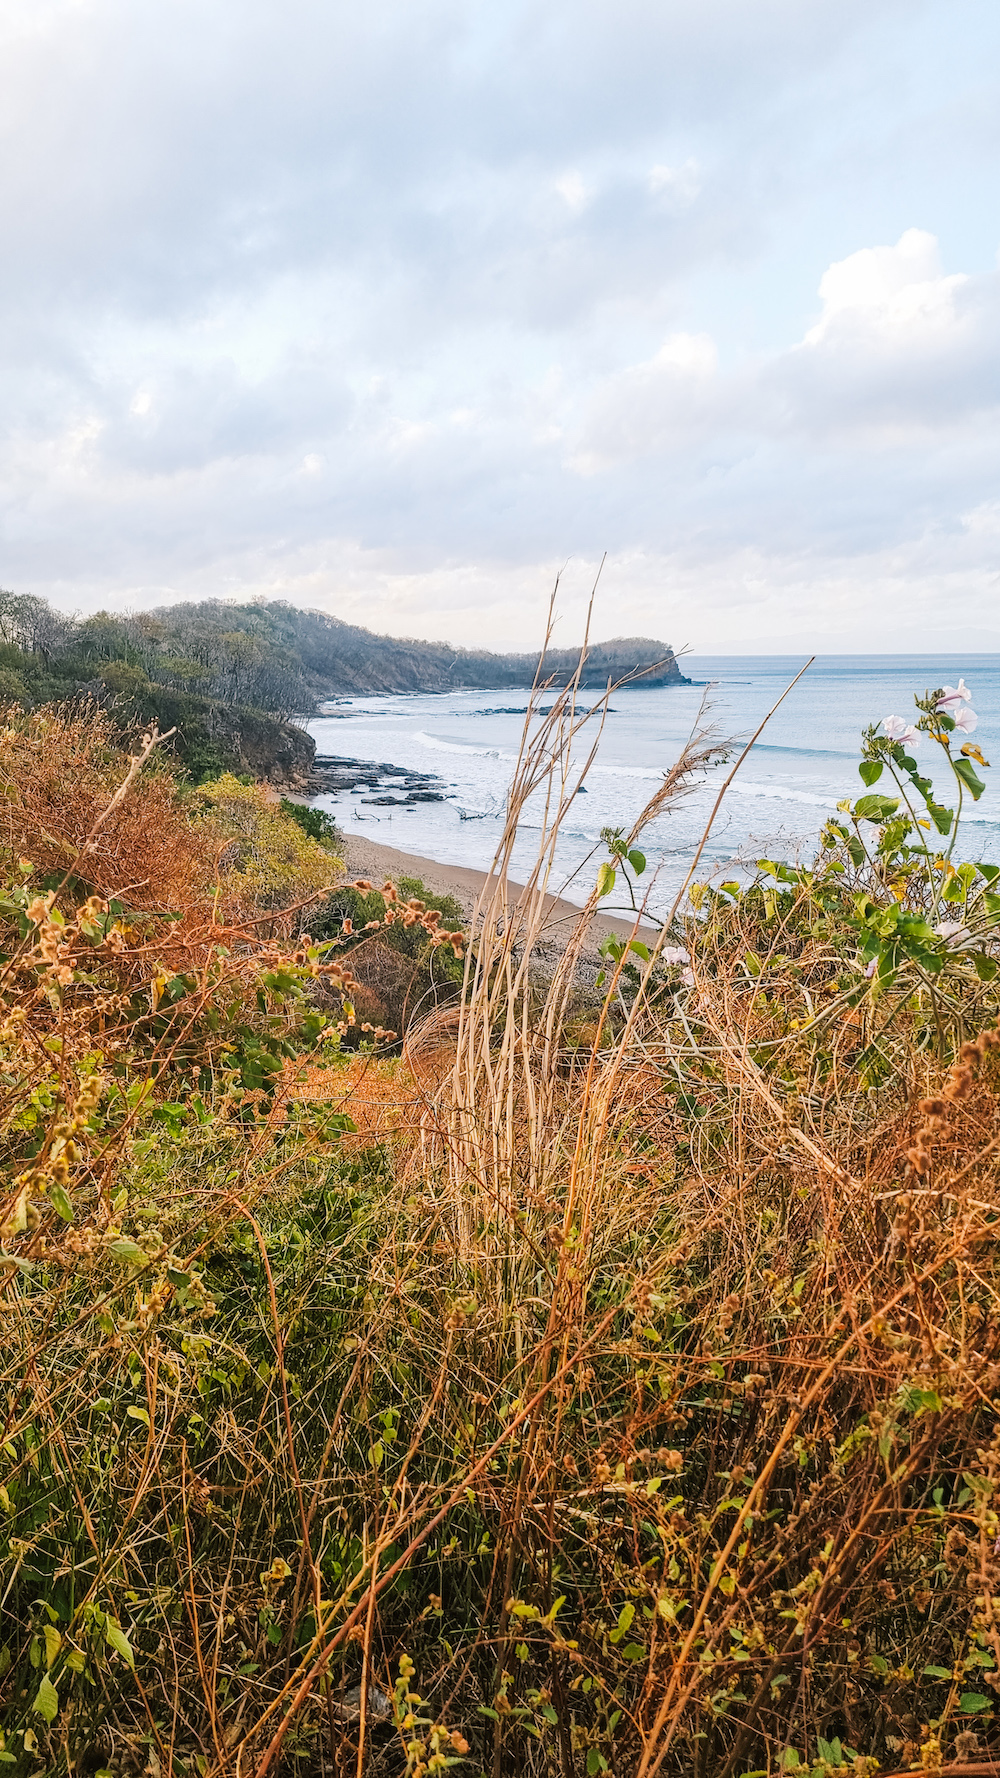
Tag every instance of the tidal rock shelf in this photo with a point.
(395, 787)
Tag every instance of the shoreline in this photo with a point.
(371, 859)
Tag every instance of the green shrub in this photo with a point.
(319, 826)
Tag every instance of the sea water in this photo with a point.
(805, 761)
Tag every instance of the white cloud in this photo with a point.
(901, 354)
(682, 183)
(891, 294)
(875, 278)
(667, 404)
(573, 191)
(899, 347)
(395, 308)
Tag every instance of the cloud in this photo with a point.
(398, 307)
(900, 357)
(670, 404)
(892, 285)
(900, 348)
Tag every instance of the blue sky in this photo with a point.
(398, 310)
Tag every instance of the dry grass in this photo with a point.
(644, 1401)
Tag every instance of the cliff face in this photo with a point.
(262, 745)
(212, 737)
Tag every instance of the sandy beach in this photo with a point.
(367, 858)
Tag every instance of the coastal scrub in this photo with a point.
(619, 1406)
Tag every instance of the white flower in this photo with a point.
(673, 954)
(964, 719)
(687, 977)
(898, 729)
(952, 697)
(954, 933)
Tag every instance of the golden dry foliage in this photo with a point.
(59, 769)
(381, 1100)
(265, 859)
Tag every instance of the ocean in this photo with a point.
(804, 763)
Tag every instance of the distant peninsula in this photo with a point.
(237, 680)
(337, 659)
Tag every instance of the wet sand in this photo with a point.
(367, 858)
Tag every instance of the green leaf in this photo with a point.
(875, 808)
(128, 1252)
(60, 1200)
(637, 860)
(46, 1700)
(138, 1414)
(116, 1638)
(972, 1702)
(965, 770)
(53, 1643)
(870, 771)
(985, 967)
(926, 1401)
(938, 1672)
(605, 880)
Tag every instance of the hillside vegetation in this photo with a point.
(571, 1382)
(228, 677)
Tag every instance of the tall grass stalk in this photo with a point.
(625, 1406)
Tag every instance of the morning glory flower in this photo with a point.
(953, 933)
(953, 697)
(963, 719)
(674, 954)
(898, 729)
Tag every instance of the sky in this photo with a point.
(401, 310)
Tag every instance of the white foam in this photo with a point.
(647, 774)
(436, 745)
(783, 792)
